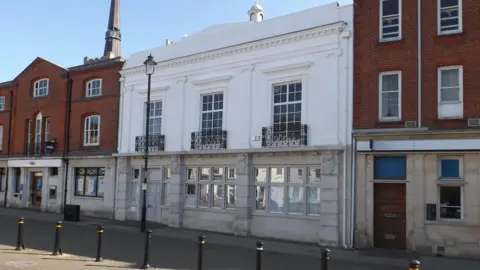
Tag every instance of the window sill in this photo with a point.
(88, 198)
(451, 182)
(205, 209)
(450, 33)
(390, 41)
(392, 181)
(39, 97)
(282, 215)
(93, 97)
(448, 222)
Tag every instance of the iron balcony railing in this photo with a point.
(155, 143)
(209, 140)
(284, 135)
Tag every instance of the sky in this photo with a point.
(65, 31)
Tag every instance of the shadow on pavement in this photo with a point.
(125, 246)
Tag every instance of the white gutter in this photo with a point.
(419, 59)
(353, 185)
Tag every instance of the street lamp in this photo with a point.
(149, 70)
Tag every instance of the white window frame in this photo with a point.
(166, 185)
(226, 182)
(451, 182)
(380, 92)
(37, 89)
(89, 89)
(305, 185)
(47, 129)
(153, 102)
(287, 83)
(212, 93)
(86, 131)
(2, 103)
(29, 137)
(450, 105)
(399, 23)
(460, 19)
(38, 134)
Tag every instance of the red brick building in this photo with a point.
(59, 129)
(416, 120)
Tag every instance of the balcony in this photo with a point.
(284, 135)
(209, 140)
(155, 143)
(36, 149)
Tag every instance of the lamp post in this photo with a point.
(149, 70)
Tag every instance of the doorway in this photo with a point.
(36, 188)
(153, 200)
(389, 216)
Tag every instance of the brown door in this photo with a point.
(389, 216)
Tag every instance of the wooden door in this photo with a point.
(389, 216)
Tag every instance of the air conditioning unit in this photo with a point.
(410, 124)
(474, 122)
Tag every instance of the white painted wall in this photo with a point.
(320, 57)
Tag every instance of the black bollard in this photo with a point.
(201, 242)
(56, 249)
(20, 244)
(99, 244)
(146, 257)
(259, 255)
(325, 258)
(414, 265)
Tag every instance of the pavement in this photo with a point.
(176, 249)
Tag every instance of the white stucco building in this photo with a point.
(250, 128)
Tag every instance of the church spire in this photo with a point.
(113, 37)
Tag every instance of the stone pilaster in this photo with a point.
(243, 202)
(121, 203)
(176, 192)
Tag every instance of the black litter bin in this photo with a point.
(71, 212)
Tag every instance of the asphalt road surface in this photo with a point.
(124, 250)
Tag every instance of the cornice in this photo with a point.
(207, 81)
(276, 69)
(316, 32)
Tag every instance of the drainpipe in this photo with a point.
(66, 148)
(10, 114)
(353, 188)
(419, 57)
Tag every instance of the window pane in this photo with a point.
(91, 186)
(232, 174)
(100, 186)
(295, 200)
(165, 192)
(390, 104)
(390, 168)
(450, 94)
(205, 174)
(450, 78)
(313, 201)
(295, 175)
(390, 82)
(276, 199)
(191, 174)
(79, 186)
(314, 176)
(261, 175)
(277, 175)
(390, 7)
(190, 198)
(217, 173)
(448, 3)
(204, 193)
(218, 196)
(450, 168)
(260, 196)
(450, 202)
(231, 196)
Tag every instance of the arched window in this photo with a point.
(93, 88)
(91, 134)
(38, 133)
(40, 88)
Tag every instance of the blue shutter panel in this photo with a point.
(393, 167)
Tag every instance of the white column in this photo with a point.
(176, 192)
(121, 189)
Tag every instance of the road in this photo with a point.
(125, 249)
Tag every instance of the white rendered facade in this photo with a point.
(238, 82)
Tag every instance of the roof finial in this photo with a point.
(256, 12)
